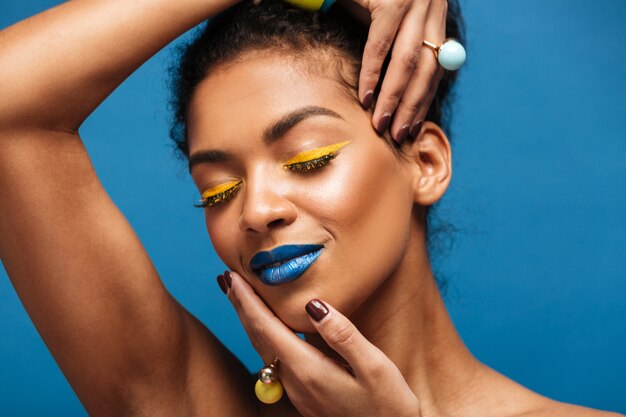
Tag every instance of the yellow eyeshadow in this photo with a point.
(220, 189)
(316, 153)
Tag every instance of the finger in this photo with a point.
(269, 335)
(385, 22)
(404, 60)
(419, 93)
(423, 111)
(365, 359)
(423, 86)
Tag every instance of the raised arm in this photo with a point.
(59, 65)
(124, 344)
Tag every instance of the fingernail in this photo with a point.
(383, 123)
(402, 134)
(229, 279)
(316, 309)
(222, 283)
(367, 99)
(415, 130)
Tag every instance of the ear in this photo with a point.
(432, 164)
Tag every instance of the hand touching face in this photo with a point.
(368, 384)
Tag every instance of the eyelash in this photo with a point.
(313, 164)
(219, 198)
(302, 167)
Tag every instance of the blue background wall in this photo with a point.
(537, 276)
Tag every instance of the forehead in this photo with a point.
(241, 98)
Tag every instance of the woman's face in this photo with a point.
(351, 201)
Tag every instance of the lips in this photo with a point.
(284, 263)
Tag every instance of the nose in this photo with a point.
(265, 208)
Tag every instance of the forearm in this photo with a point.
(59, 65)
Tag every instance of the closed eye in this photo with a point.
(313, 164)
(315, 158)
(219, 194)
(303, 162)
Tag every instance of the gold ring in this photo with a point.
(432, 46)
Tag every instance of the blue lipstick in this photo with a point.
(284, 263)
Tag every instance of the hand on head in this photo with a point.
(413, 73)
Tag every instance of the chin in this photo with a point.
(300, 325)
(290, 309)
(294, 316)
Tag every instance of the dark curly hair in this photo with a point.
(327, 42)
(276, 25)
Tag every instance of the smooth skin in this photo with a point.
(405, 356)
(124, 344)
(79, 269)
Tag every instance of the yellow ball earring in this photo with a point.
(268, 388)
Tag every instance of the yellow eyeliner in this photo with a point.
(211, 192)
(316, 153)
(303, 162)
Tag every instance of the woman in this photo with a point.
(319, 186)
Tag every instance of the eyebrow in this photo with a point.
(271, 134)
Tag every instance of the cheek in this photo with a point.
(368, 212)
(222, 233)
(370, 197)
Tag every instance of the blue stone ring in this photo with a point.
(451, 54)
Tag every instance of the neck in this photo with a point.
(407, 319)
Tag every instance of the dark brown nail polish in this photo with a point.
(229, 279)
(383, 123)
(367, 99)
(316, 309)
(415, 130)
(402, 134)
(222, 283)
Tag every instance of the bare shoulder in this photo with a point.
(520, 401)
(558, 409)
